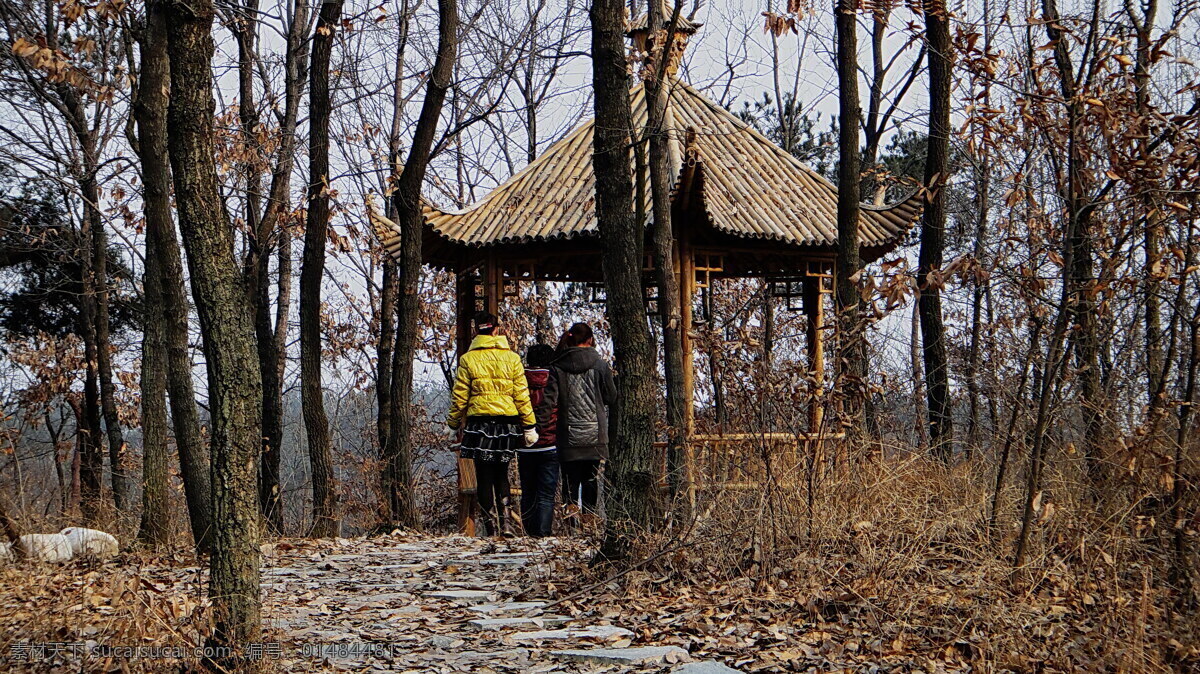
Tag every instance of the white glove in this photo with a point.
(531, 436)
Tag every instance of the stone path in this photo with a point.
(442, 605)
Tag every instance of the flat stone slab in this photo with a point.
(597, 632)
(705, 667)
(490, 624)
(508, 607)
(494, 561)
(473, 596)
(457, 657)
(645, 655)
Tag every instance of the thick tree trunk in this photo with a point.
(150, 112)
(312, 271)
(153, 529)
(852, 338)
(235, 387)
(933, 231)
(397, 477)
(150, 107)
(657, 98)
(632, 474)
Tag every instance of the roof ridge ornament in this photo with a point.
(644, 41)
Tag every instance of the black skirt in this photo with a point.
(491, 439)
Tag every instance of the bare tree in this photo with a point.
(933, 230)
(397, 476)
(632, 472)
(853, 358)
(235, 385)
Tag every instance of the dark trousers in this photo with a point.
(491, 478)
(539, 482)
(581, 483)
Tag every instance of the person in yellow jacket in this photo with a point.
(490, 404)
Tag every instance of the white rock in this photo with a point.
(91, 542)
(6, 553)
(646, 655)
(47, 547)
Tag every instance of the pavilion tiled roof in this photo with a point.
(749, 188)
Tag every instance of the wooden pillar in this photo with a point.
(687, 291)
(464, 311)
(814, 312)
(493, 285)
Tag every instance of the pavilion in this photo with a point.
(742, 207)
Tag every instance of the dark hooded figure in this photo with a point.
(585, 392)
(538, 463)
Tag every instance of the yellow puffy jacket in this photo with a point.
(490, 383)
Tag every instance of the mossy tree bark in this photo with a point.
(163, 259)
(631, 470)
(227, 327)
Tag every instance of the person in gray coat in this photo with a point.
(585, 392)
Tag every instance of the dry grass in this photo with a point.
(893, 566)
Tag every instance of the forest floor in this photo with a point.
(397, 603)
(425, 603)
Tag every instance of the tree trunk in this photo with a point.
(1156, 374)
(1079, 274)
(91, 455)
(108, 404)
(149, 111)
(918, 377)
(852, 338)
(657, 98)
(153, 529)
(272, 357)
(316, 425)
(226, 322)
(977, 294)
(272, 339)
(933, 231)
(632, 472)
(397, 476)
(388, 294)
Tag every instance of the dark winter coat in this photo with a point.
(585, 391)
(543, 392)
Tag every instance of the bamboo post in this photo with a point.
(464, 311)
(814, 312)
(687, 291)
